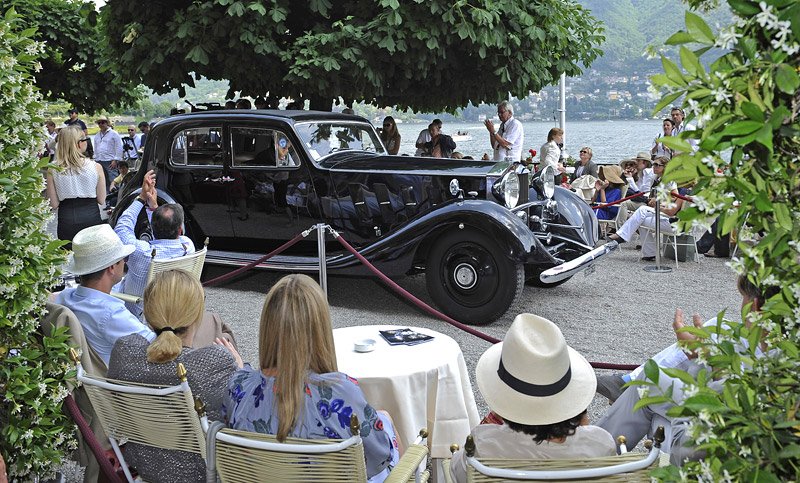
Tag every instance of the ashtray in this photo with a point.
(364, 345)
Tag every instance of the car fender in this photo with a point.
(130, 197)
(416, 237)
(578, 213)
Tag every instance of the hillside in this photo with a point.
(632, 25)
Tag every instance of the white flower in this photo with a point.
(693, 107)
(745, 452)
(728, 38)
(766, 18)
(720, 95)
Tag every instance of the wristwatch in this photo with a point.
(141, 200)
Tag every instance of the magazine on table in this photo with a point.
(404, 337)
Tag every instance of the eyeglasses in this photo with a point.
(387, 125)
(660, 165)
(584, 152)
(131, 130)
(83, 140)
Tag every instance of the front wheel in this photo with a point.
(470, 278)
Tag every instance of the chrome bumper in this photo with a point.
(583, 262)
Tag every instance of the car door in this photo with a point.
(197, 180)
(272, 191)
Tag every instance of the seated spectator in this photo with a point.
(99, 259)
(173, 306)
(585, 165)
(543, 410)
(621, 419)
(243, 103)
(169, 242)
(298, 392)
(440, 145)
(645, 216)
(608, 189)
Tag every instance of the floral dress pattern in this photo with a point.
(331, 398)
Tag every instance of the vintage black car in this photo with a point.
(250, 180)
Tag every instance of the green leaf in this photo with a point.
(679, 38)
(672, 71)
(752, 111)
(703, 401)
(787, 79)
(744, 8)
(780, 114)
(646, 401)
(678, 144)
(690, 62)
(651, 370)
(666, 101)
(742, 127)
(782, 215)
(698, 29)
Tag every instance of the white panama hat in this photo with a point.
(533, 377)
(95, 248)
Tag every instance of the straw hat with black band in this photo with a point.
(533, 377)
(611, 173)
(95, 248)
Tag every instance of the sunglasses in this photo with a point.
(584, 152)
(660, 165)
(83, 140)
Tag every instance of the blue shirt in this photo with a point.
(104, 318)
(610, 212)
(139, 260)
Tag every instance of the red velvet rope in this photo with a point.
(228, 276)
(673, 193)
(90, 439)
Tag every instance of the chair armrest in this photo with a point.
(133, 299)
(406, 468)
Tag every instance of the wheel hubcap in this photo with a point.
(465, 276)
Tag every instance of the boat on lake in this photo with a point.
(461, 136)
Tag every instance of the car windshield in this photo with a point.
(326, 137)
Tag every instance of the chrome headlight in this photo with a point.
(508, 189)
(546, 182)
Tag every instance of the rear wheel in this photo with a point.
(471, 279)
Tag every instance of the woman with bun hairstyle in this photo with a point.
(174, 304)
(298, 392)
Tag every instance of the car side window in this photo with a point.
(199, 146)
(261, 148)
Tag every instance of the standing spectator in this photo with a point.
(678, 117)
(434, 128)
(73, 119)
(550, 153)
(440, 145)
(107, 148)
(506, 141)
(145, 128)
(77, 188)
(390, 136)
(659, 150)
(131, 145)
(585, 164)
(608, 189)
(50, 140)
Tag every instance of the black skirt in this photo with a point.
(75, 214)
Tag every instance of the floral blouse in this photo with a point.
(331, 398)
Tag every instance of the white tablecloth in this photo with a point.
(421, 386)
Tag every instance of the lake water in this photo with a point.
(611, 141)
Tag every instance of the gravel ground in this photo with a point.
(619, 314)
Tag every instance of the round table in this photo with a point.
(421, 386)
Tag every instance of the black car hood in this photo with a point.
(365, 162)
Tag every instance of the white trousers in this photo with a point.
(644, 216)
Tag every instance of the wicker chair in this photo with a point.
(160, 416)
(624, 467)
(242, 457)
(191, 263)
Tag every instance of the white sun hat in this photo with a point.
(95, 248)
(533, 377)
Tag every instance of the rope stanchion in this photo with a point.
(228, 276)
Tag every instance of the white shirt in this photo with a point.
(500, 441)
(424, 137)
(549, 155)
(685, 127)
(137, 144)
(107, 146)
(646, 178)
(512, 132)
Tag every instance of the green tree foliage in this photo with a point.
(430, 55)
(34, 435)
(745, 107)
(71, 64)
